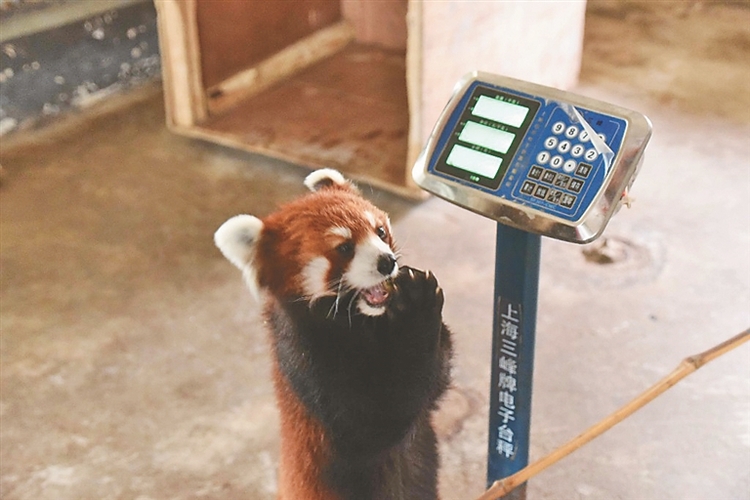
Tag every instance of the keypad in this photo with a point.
(563, 165)
(565, 168)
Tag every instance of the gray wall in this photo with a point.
(60, 56)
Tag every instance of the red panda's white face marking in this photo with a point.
(371, 218)
(332, 243)
(315, 278)
(343, 232)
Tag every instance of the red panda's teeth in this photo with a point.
(376, 295)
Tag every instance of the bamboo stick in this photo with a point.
(686, 367)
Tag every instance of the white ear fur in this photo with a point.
(325, 177)
(237, 239)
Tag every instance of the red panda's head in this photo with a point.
(331, 242)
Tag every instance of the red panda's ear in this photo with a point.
(327, 178)
(237, 239)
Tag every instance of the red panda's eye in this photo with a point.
(382, 234)
(346, 248)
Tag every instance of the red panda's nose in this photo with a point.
(386, 263)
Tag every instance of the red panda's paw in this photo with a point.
(415, 293)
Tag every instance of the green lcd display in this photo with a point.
(500, 111)
(474, 161)
(486, 136)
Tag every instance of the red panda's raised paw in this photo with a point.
(416, 292)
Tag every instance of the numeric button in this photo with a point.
(543, 157)
(550, 142)
(558, 128)
(571, 132)
(577, 150)
(564, 147)
(556, 162)
(591, 154)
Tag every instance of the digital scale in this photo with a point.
(541, 162)
(533, 157)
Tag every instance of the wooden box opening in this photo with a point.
(315, 82)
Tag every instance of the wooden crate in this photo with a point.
(350, 84)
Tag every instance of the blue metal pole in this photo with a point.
(514, 326)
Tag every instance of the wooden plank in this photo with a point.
(414, 74)
(184, 97)
(280, 65)
(239, 34)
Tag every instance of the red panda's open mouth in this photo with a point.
(376, 296)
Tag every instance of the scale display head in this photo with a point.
(532, 157)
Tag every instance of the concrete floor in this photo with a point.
(134, 365)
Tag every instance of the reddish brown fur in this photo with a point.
(304, 449)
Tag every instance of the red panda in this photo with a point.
(361, 354)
